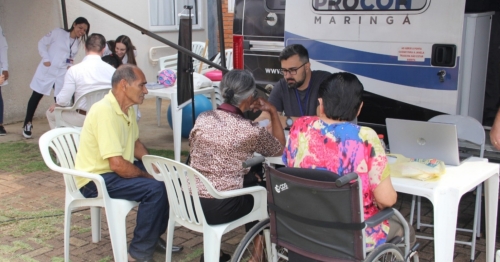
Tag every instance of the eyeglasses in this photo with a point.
(291, 71)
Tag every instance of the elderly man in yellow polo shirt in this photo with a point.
(109, 142)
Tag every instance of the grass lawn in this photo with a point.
(22, 158)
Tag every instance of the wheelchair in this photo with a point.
(316, 215)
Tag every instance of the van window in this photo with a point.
(275, 4)
(368, 5)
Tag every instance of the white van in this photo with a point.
(409, 54)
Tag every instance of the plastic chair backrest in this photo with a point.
(331, 228)
(169, 61)
(84, 102)
(181, 187)
(198, 47)
(64, 143)
(468, 129)
(92, 97)
(229, 59)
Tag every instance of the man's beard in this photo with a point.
(295, 84)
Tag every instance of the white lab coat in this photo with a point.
(54, 47)
(4, 62)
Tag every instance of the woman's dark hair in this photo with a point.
(342, 96)
(236, 86)
(113, 60)
(111, 45)
(81, 20)
(130, 48)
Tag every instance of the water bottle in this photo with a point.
(384, 146)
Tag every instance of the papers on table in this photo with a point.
(154, 86)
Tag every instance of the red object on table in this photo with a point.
(215, 75)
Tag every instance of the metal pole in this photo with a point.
(190, 67)
(64, 14)
(221, 36)
(154, 36)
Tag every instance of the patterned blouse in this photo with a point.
(342, 148)
(221, 141)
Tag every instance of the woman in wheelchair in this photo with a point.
(222, 139)
(329, 141)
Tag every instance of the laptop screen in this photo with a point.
(420, 139)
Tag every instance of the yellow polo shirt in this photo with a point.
(106, 132)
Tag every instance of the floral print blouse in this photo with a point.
(342, 148)
(220, 142)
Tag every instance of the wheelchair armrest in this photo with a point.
(379, 217)
(345, 179)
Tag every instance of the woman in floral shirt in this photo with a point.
(222, 139)
(328, 141)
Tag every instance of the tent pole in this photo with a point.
(221, 36)
(64, 14)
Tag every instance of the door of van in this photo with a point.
(405, 52)
(258, 34)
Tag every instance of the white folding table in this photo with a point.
(445, 194)
(171, 94)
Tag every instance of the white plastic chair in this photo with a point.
(198, 48)
(170, 62)
(471, 130)
(87, 99)
(218, 96)
(64, 142)
(185, 207)
(217, 60)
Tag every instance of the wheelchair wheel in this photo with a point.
(385, 253)
(256, 245)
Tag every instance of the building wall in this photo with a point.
(25, 21)
(227, 19)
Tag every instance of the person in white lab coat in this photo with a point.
(89, 75)
(4, 65)
(57, 49)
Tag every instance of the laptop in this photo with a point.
(420, 139)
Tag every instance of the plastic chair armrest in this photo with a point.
(239, 192)
(379, 217)
(58, 110)
(63, 108)
(84, 174)
(98, 179)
